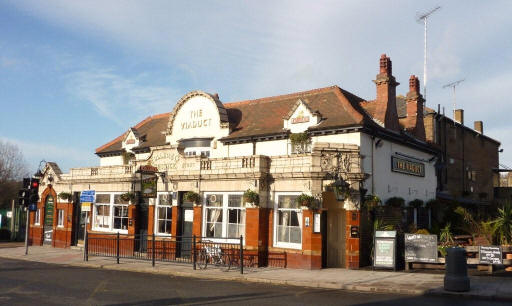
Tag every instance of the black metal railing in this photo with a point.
(199, 251)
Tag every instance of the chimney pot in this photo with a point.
(414, 84)
(459, 116)
(385, 65)
(479, 127)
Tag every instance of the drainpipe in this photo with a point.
(373, 180)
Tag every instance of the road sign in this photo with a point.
(86, 206)
(87, 196)
(32, 207)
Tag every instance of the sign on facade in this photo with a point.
(148, 186)
(384, 254)
(491, 255)
(86, 199)
(407, 167)
(420, 248)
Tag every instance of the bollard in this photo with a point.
(456, 276)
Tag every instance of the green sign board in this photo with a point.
(148, 186)
(48, 211)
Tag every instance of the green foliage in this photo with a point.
(127, 157)
(191, 196)
(127, 196)
(422, 231)
(66, 196)
(446, 235)
(417, 203)
(395, 202)
(251, 197)
(502, 225)
(299, 138)
(308, 201)
(379, 225)
(432, 203)
(371, 201)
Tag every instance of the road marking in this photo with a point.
(100, 286)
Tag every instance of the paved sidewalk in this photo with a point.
(482, 287)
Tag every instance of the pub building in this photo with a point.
(327, 143)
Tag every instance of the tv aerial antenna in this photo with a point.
(453, 85)
(422, 18)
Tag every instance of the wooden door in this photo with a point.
(336, 238)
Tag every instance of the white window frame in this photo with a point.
(60, 216)
(287, 245)
(225, 217)
(37, 220)
(111, 214)
(197, 151)
(157, 212)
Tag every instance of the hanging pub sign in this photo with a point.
(407, 167)
(148, 181)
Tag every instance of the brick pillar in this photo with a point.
(256, 234)
(151, 219)
(174, 224)
(352, 245)
(198, 219)
(132, 219)
(311, 243)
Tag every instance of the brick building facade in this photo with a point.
(278, 147)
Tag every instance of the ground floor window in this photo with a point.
(224, 215)
(288, 221)
(37, 220)
(110, 213)
(60, 220)
(163, 214)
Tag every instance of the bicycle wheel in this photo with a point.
(227, 261)
(202, 259)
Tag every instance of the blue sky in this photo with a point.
(76, 74)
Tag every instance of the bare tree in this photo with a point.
(12, 169)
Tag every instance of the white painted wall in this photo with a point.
(111, 161)
(389, 184)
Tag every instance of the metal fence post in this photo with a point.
(194, 254)
(86, 246)
(153, 251)
(241, 254)
(117, 247)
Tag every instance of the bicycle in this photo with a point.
(213, 254)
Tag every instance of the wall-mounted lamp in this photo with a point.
(378, 143)
(500, 150)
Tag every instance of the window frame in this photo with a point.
(287, 245)
(225, 216)
(111, 209)
(60, 217)
(157, 214)
(37, 217)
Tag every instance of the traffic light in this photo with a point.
(24, 192)
(34, 191)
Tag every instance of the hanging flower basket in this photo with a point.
(396, 202)
(371, 201)
(308, 201)
(417, 203)
(191, 196)
(127, 196)
(251, 197)
(66, 196)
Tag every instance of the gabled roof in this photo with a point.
(338, 107)
(151, 130)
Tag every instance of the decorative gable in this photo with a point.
(300, 118)
(131, 140)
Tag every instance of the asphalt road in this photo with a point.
(32, 283)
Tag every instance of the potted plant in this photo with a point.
(127, 196)
(308, 201)
(191, 196)
(127, 157)
(66, 196)
(251, 198)
(396, 202)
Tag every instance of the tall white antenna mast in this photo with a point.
(419, 18)
(453, 85)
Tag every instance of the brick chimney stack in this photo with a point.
(414, 101)
(479, 127)
(459, 116)
(386, 95)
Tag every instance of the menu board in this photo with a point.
(384, 249)
(420, 248)
(491, 255)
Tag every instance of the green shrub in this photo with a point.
(395, 202)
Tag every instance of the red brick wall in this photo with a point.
(353, 218)
(198, 219)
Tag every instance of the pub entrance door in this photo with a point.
(185, 225)
(336, 231)
(48, 220)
